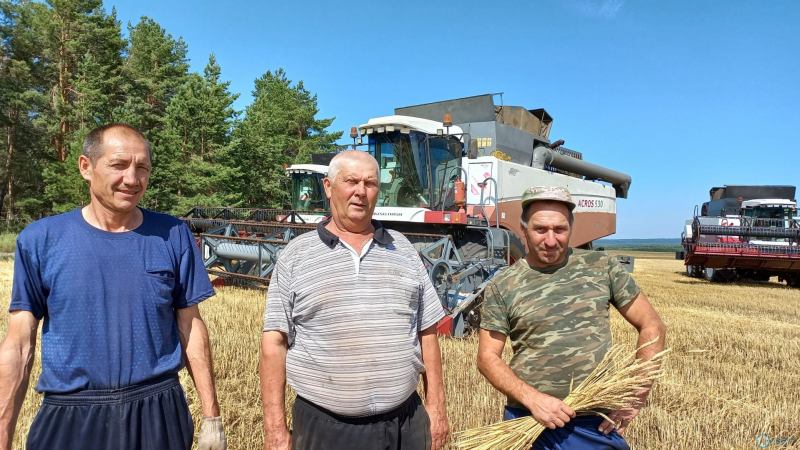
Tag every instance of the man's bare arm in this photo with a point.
(272, 371)
(196, 344)
(16, 360)
(641, 314)
(433, 382)
(547, 410)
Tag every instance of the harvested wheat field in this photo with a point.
(734, 371)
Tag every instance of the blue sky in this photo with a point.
(681, 95)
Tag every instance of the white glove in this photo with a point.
(212, 436)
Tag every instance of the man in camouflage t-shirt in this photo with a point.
(554, 306)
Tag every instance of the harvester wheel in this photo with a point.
(516, 247)
(793, 281)
(473, 248)
(719, 275)
(689, 271)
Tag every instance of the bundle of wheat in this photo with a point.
(613, 384)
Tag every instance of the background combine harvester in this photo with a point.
(452, 187)
(745, 232)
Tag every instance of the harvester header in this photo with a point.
(745, 232)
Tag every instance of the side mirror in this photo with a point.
(472, 151)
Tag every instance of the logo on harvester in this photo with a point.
(590, 203)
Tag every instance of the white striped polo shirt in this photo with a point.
(352, 320)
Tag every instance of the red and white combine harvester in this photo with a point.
(451, 177)
(745, 232)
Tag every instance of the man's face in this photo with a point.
(548, 233)
(119, 178)
(353, 194)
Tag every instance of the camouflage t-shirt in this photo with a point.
(557, 317)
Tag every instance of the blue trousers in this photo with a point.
(580, 433)
(151, 416)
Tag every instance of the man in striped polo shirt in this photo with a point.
(350, 323)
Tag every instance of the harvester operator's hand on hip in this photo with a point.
(550, 411)
(212, 436)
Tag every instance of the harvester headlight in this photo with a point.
(405, 130)
(439, 132)
(389, 128)
(381, 129)
(447, 217)
(370, 130)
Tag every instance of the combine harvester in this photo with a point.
(744, 232)
(452, 187)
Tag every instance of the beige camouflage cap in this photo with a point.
(550, 193)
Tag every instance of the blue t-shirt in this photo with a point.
(107, 299)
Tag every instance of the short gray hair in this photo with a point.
(335, 166)
(93, 144)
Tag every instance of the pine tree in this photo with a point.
(22, 100)
(156, 68)
(279, 128)
(83, 49)
(198, 123)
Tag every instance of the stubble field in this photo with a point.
(734, 373)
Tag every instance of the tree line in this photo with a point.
(66, 68)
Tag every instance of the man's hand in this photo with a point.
(212, 435)
(278, 441)
(549, 411)
(622, 417)
(440, 427)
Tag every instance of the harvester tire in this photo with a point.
(516, 247)
(719, 275)
(793, 281)
(474, 246)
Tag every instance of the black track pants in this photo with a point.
(404, 428)
(153, 416)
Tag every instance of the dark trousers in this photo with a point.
(152, 416)
(407, 427)
(580, 433)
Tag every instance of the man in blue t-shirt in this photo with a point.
(118, 288)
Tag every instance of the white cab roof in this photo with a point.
(768, 202)
(307, 168)
(414, 123)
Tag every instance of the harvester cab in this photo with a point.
(308, 198)
(416, 161)
(774, 213)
